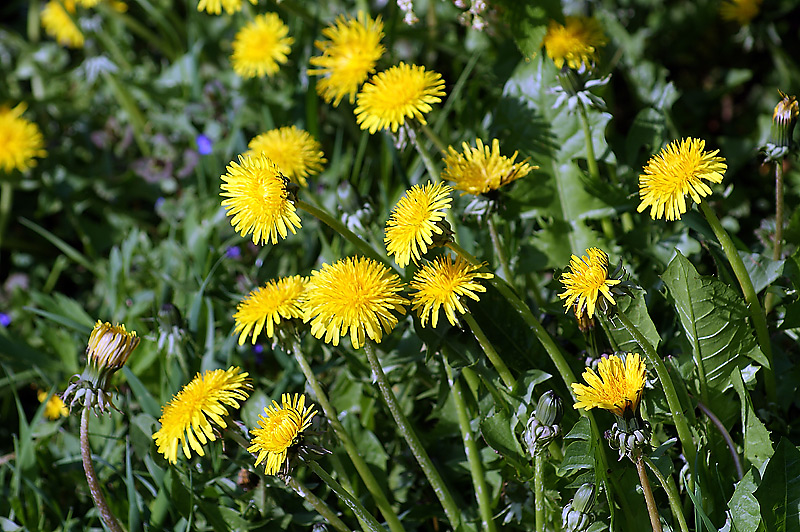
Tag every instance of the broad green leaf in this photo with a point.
(496, 430)
(762, 270)
(779, 491)
(146, 400)
(636, 310)
(578, 455)
(757, 445)
(743, 506)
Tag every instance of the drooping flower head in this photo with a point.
(294, 151)
(356, 296)
(443, 284)
(268, 306)
(349, 55)
(575, 43)
(186, 420)
(54, 408)
(585, 281)
(57, 21)
(281, 429)
(259, 200)
(480, 170)
(261, 46)
(414, 220)
(215, 7)
(618, 388)
(20, 140)
(678, 169)
(390, 97)
(740, 11)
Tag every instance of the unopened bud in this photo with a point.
(584, 498)
(549, 409)
(576, 516)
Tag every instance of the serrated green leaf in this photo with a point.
(744, 508)
(635, 309)
(579, 455)
(757, 445)
(779, 491)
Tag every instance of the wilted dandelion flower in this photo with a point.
(349, 55)
(261, 46)
(586, 281)
(187, 418)
(55, 407)
(481, 170)
(677, 170)
(215, 7)
(740, 11)
(618, 388)
(281, 429)
(258, 199)
(268, 306)
(442, 284)
(575, 42)
(57, 20)
(294, 151)
(356, 296)
(403, 91)
(20, 139)
(414, 221)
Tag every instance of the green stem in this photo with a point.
(498, 248)
(433, 137)
(737, 462)
(674, 403)
(6, 200)
(777, 249)
(491, 353)
(672, 494)
(318, 504)
(471, 450)
(352, 451)
(652, 509)
(408, 433)
(91, 477)
(426, 158)
(538, 490)
(750, 296)
(591, 162)
(354, 504)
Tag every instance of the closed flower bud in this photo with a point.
(549, 409)
(576, 516)
(584, 498)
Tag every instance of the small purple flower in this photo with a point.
(204, 145)
(5, 319)
(159, 203)
(258, 352)
(233, 252)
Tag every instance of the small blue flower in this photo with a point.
(233, 252)
(5, 319)
(204, 145)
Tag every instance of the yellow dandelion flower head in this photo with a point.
(349, 55)
(786, 111)
(279, 430)
(21, 140)
(55, 407)
(110, 346)
(268, 306)
(187, 418)
(403, 91)
(414, 220)
(261, 46)
(215, 7)
(482, 169)
(575, 43)
(618, 388)
(678, 169)
(58, 22)
(443, 284)
(355, 295)
(586, 279)
(740, 11)
(294, 151)
(258, 199)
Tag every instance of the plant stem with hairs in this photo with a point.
(652, 509)
(777, 245)
(318, 504)
(672, 494)
(109, 519)
(352, 502)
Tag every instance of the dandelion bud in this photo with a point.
(629, 437)
(549, 409)
(784, 118)
(576, 516)
(543, 425)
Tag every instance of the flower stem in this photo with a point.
(672, 494)
(353, 503)
(426, 157)
(352, 451)
(750, 296)
(318, 504)
(433, 137)
(91, 477)
(674, 403)
(652, 509)
(6, 200)
(538, 490)
(498, 248)
(725, 436)
(591, 162)
(408, 433)
(471, 450)
(777, 249)
(491, 353)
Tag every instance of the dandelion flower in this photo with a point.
(355, 295)
(58, 22)
(574, 43)
(281, 429)
(215, 7)
(618, 388)
(269, 305)
(55, 407)
(258, 199)
(677, 170)
(20, 139)
(442, 284)
(403, 91)
(414, 221)
(740, 11)
(349, 55)
(481, 170)
(586, 280)
(261, 46)
(186, 419)
(293, 150)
